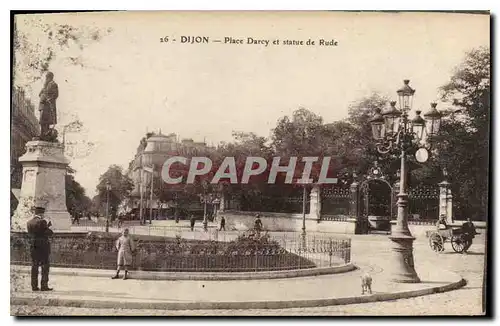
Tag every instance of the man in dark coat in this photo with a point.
(222, 223)
(48, 111)
(192, 221)
(39, 231)
(469, 232)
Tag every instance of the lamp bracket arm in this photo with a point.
(384, 148)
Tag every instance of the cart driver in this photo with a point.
(441, 223)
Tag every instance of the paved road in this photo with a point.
(465, 301)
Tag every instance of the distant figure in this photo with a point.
(192, 221)
(120, 221)
(77, 218)
(222, 223)
(125, 247)
(469, 232)
(39, 231)
(48, 111)
(258, 224)
(441, 223)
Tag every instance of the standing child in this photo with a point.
(125, 247)
(258, 224)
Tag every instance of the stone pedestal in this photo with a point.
(446, 201)
(315, 203)
(43, 184)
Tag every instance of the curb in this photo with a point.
(102, 304)
(201, 276)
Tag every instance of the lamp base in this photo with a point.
(402, 268)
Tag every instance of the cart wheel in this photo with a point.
(458, 243)
(436, 242)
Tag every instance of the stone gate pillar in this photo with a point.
(446, 201)
(315, 203)
(354, 205)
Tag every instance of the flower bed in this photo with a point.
(249, 252)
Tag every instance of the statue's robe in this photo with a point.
(48, 110)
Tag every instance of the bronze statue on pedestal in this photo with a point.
(48, 110)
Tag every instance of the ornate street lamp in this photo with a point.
(377, 122)
(393, 129)
(108, 188)
(434, 119)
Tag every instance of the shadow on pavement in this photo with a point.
(469, 253)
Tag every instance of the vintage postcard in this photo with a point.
(250, 163)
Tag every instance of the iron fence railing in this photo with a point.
(422, 222)
(232, 252)
(337, 218)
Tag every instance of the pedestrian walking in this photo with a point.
(222, 223)
(258, 224)
(39, 231)
(192, 221)
(125, 247)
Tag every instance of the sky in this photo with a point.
(132, 83)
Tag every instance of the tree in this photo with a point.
(462, 146)
(120, 186)
(37, 44)
(364, 151)
(76, 199)
(298, 136)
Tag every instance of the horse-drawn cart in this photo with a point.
(458, 239)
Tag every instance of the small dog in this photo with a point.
(366, 283)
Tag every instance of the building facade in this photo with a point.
(24, 126)
(152, 152)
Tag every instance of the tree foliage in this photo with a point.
(76, 199)
(463, 144)
(120, 187)
(37, 44)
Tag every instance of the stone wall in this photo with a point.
(241, 221)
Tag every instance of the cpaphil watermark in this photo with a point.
(254, 166)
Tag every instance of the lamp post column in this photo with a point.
(141, 201)
(151, 197)
(205, 220)
(390, 131)
(107, 207)
(403, 269)
(304, 198)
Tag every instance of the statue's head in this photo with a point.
(49, 76)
